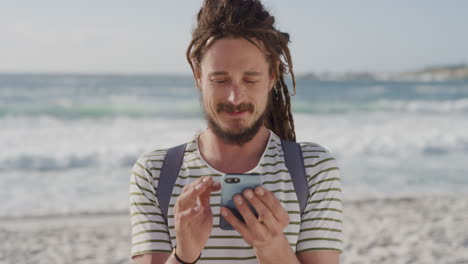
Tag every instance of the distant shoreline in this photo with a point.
(434, 73)
(452, 72)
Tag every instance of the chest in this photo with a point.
(275, 178)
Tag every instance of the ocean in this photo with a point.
(68, 141)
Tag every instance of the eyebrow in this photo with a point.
(250, 73)
(218, 73)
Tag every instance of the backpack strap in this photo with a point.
(295, 164)
(168, 176)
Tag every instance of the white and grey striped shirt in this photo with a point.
(319, 227)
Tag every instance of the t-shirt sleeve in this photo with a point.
(322, 220)
(150, 232)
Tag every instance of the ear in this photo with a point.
(273, 77)
(197, 74)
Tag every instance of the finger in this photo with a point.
(246, 212)
(205, 197)
(188, 214)
(237, 224)
(193, 191)
(272, 202)
(215, 186)
(199, 185)
(206, 194)
(192, 185)
(264, 214)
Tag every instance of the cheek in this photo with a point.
(261, 98)
(213, 95)
(209, 101)
(262, 105)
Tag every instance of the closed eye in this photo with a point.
(219, 81)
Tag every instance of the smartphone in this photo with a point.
(233, 184)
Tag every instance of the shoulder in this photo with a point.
(318, 159)
(155, 158)
(312, 150)
(150, 159)
(313, 147)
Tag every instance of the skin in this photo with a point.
(234, 71)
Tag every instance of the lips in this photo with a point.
(236, 113)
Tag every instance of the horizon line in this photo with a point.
(148, 73)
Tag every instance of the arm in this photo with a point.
(155, 258)
(319, 257)
(150, 233)
(320, 240)
(193, 224)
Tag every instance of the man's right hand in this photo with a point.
(193, 217)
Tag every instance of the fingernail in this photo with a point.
(198, 208)
(216, 184)
(198, 187)
(238, 200)
(249, 194)
(260, 191)
(206, 179)
(223, 212)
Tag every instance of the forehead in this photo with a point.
(234, 54)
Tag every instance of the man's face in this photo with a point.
(235, 81)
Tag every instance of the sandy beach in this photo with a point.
(410, 230)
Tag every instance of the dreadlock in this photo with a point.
(248, 19)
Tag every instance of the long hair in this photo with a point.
(250, 20)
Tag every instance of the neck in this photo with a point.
(230, 158)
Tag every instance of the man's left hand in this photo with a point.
(264, 233)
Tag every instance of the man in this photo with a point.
(237, 56)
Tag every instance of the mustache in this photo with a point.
(230, 108)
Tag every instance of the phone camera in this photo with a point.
(232, 180)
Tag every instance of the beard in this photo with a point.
(232, 137)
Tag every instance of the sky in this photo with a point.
(150, 36)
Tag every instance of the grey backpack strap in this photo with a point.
(168, 176)
(295, 164)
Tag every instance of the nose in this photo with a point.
(236, 94)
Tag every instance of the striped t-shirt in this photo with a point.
(318, 228)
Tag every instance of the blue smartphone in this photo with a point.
(233, 184)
